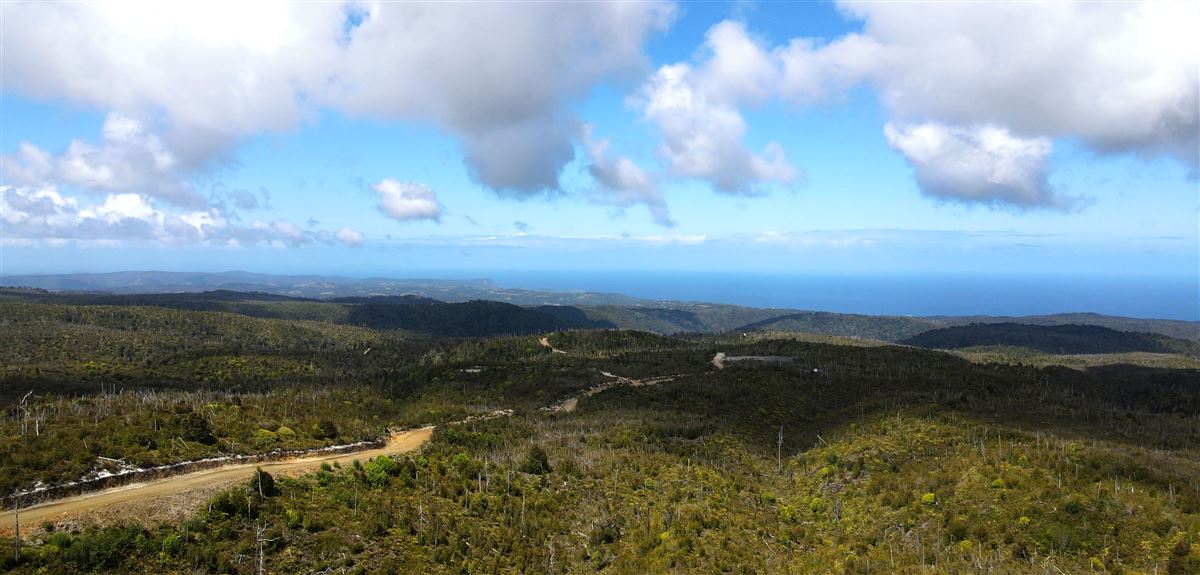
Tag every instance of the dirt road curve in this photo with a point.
(545, 341)
(168, 489)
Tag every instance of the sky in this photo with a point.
(403, 139)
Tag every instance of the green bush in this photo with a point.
(536, 462)
(263, 484)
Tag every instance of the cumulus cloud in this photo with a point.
(349, 238)
(985, 164)
(1120, 78)
(622, 182)
(40, 214)
(31, 165)
(129, 158)
(407, 201)
(216, 71)
(697, 110)
(502, 78)
(497, 76)
(244, 200)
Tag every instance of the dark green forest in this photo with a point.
(1054, 339)
(828, 458)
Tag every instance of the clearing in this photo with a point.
(175, 497)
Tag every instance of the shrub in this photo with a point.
(1073, 504)
(379, 469)
(325, 429)
(376, 476)
(536, 462)
(263, 484)
(817, 505)
(193, 427)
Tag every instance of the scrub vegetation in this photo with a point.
(847, 458)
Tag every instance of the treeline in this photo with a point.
(844, 459)
(1054, 339)
(617, 491)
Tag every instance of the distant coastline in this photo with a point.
(1174, 297)
(1159, 297)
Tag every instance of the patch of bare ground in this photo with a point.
(172, 498)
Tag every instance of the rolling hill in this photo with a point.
(1054, 339)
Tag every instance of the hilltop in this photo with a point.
(1053, 339)
(600, 450)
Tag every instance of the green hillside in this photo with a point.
(1053, 339)
(843, 459)
(1171, 328)
(885, 328)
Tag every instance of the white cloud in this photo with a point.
(289, 231)
(1123, 77)
(407, 201)
(129, 159)
(46, 215)
(497, 76)
(216, 70)
(1120, 78)
(244, 200)
(121, 206)
(349, 238)
(622, 182)
(984, 164)
(30, 166)
(697, 112)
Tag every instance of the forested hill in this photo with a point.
(467, 319)
(885, 328)
(658, 317)
(409, 313)
(1180, 329)
(1058, 339)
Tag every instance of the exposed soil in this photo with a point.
(173, 498)
(568, 405)
(545, 341)
(720, 359)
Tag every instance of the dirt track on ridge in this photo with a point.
(545, 341)
(175, 497)
(160, 497)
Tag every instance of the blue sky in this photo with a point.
(773, 137)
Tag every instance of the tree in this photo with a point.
(378, 470)
(263, 483)
(536, 462)
(193, 427)
(325, 429)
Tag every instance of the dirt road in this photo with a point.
(168, 492)
(545, 341)
(568, 405)
(719, 360)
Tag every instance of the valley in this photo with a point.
(597, 449)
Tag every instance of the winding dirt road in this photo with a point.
(545, 341)
(569, 404)
(177, 496)
(167, 492)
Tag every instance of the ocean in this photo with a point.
(1161, 297)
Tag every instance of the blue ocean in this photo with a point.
(1162, 297)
